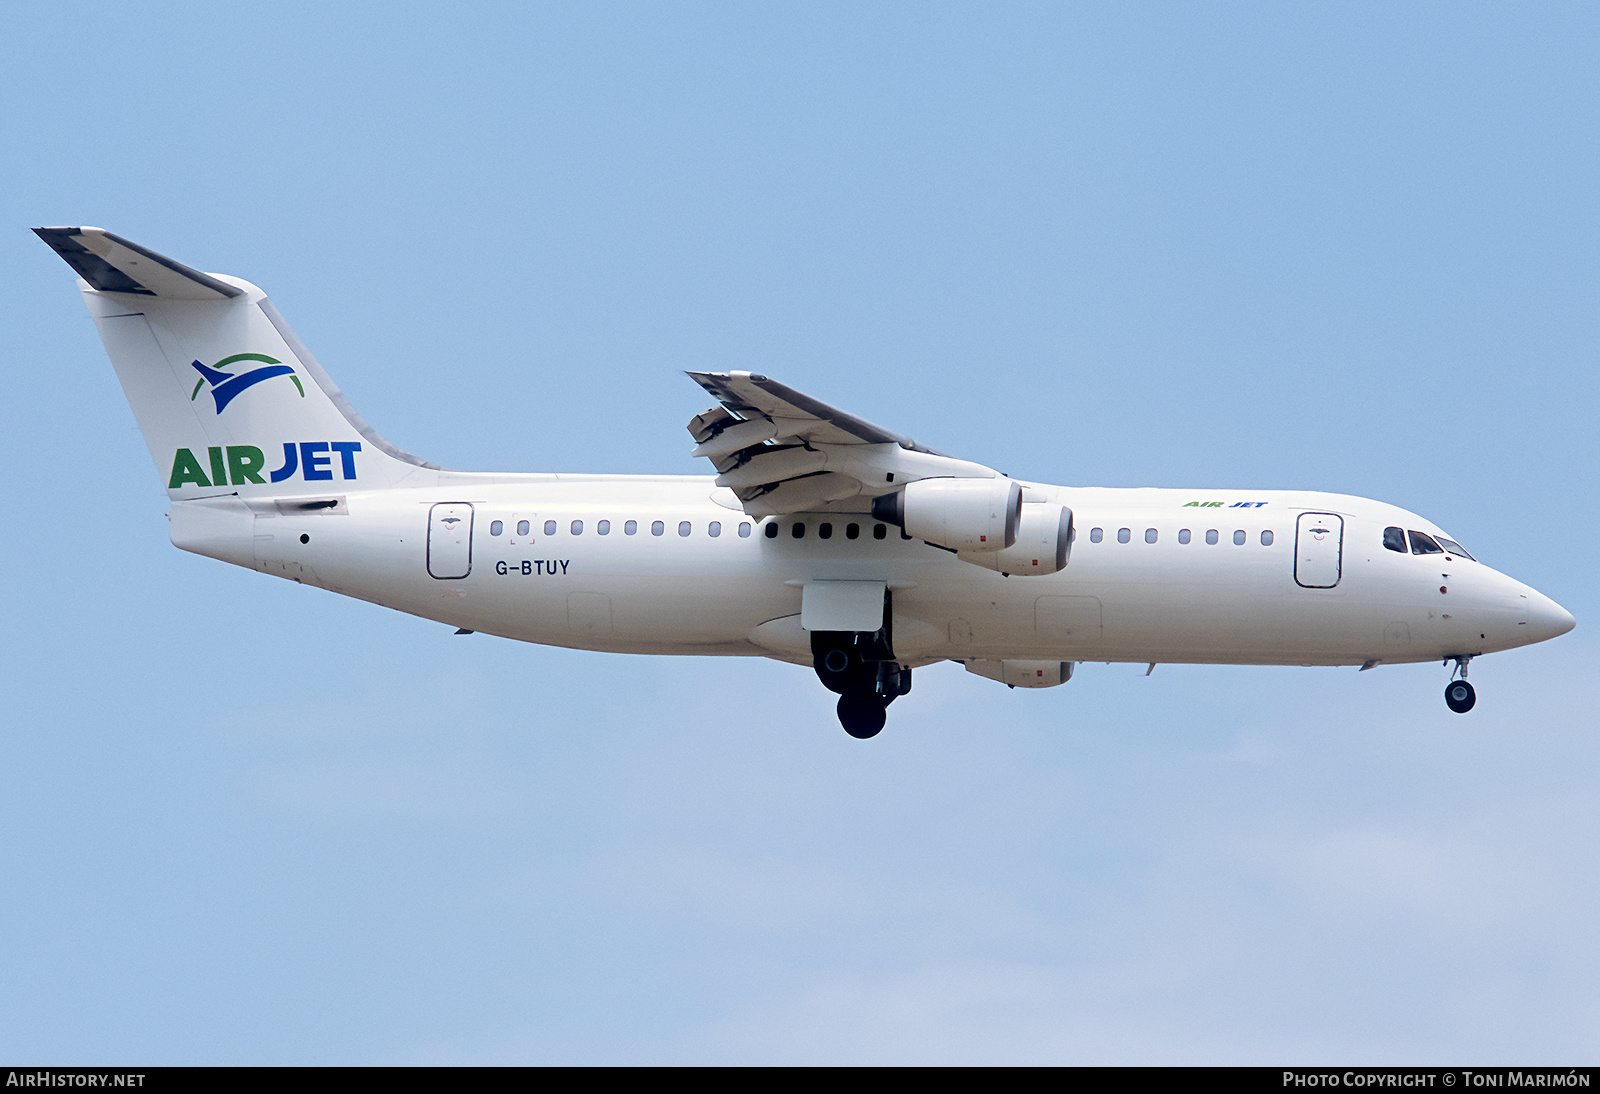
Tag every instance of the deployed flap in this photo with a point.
(110, 263)
(782, 451)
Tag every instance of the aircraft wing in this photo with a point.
(782, 451)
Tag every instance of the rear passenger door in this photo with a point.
(450, 540)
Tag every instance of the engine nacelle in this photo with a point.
(1023, 674)
(1044, 543)
(976, 515)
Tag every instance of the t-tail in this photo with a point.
(229, 400)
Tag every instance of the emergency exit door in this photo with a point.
(450, 540)
(1318, 550)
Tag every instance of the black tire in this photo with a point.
(861, 715)
(1459, 696)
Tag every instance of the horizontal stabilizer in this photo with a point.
(110, 263)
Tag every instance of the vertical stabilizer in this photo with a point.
(229, 400)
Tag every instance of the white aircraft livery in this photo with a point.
(823, 540)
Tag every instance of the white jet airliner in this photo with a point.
(823, 540)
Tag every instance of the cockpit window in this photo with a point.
(1395, 539)
(1454, 548)
(1424, 545)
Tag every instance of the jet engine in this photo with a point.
(1044, 543)
(958, 514)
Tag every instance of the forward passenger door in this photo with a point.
(1318, 550)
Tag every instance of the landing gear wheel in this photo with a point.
(861, 715)
(1459, 696)
(841, 670)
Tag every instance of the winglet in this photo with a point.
(110, 263)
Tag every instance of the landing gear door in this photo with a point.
(1318, 550)
(450, 540)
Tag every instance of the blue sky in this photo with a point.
(1248, 246)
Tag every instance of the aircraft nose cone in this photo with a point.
(1547, 619)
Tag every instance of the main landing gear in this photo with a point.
(860, 668)
(1459, 695)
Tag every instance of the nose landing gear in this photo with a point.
(1459, 695)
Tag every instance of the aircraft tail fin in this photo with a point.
(228, 398)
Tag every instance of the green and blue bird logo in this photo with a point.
(227, 386)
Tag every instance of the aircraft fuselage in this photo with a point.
(577, 576)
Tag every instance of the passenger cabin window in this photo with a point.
(1395, 539)
(577, 527)
(549, 527)
(852, 531)
(772, 530)
(684, 527)
(744, 530)
(1266, 538)
(522, 528)
(1454, 548)
(1211, 535)
(496, 527)
(714, 529)
(657, 528)
(630, 527)
(1424, 545)
(1238, 538)
(1183, 535)
(1123, 535)
(825, 530)
(603, 527)
(1096, 535)
(879, 531)
(799, 530)
(1150, 535)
